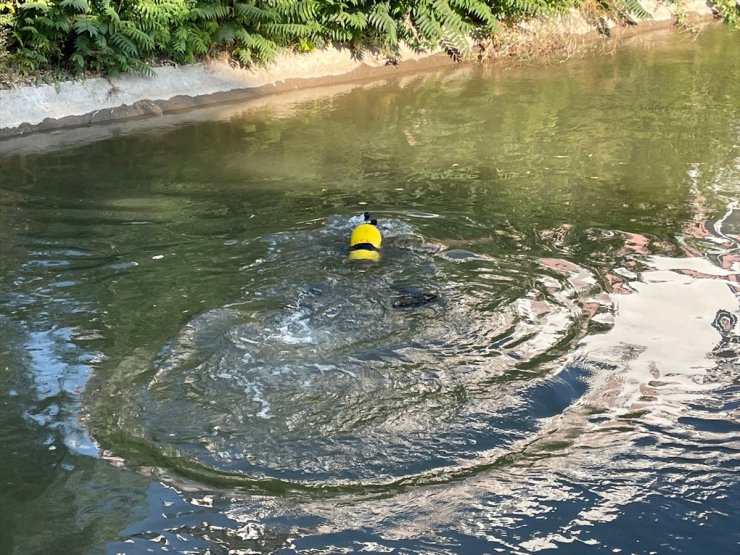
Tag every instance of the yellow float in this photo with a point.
(365, 240)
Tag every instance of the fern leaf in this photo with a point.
(226, 33)
(298, 11)
(286, 30)
(381, 20)
(254, 13)
(243, 55)
(53, 26)
(339, 35)
(124, 44)
(79, 5)
(89, 25)
(41, 6)
(33, 55)
(196, 44)
(428, 26)
(142, 39)
(213, 11)
(634, 7)
(78, 61)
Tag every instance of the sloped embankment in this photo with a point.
(175, 88)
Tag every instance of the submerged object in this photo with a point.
(365, 240)
(412, 297)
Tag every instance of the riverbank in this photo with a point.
(78, 103)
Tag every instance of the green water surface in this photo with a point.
(188, 363)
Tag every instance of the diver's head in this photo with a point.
(365, 240)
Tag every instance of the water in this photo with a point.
(545, 358)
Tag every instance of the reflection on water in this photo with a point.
(546, 356)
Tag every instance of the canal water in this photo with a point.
(546, 358)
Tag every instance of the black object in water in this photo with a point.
(412, 297)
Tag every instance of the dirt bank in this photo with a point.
(79, 103)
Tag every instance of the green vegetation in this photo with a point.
(116, 36)
(729, 10)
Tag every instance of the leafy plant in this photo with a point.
(114, 36)
(729, 10)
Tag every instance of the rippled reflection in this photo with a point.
(545, 358)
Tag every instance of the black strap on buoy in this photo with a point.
(363, 247)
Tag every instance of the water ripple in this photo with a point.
(420, 368)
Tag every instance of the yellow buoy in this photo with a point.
(365, 240)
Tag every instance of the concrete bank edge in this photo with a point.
(70, 104)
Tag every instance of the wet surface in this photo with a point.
(546, 356)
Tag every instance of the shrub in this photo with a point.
(128, 35)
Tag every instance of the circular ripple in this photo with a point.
(339, 373)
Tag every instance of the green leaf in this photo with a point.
(634, 7)
(124, 44)
(213, 11)
(254, 13)
(89, 25)
(78, 61)
(27, 6)
(226, 33)
(381, 20)
(78, 5)
(143, 40)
